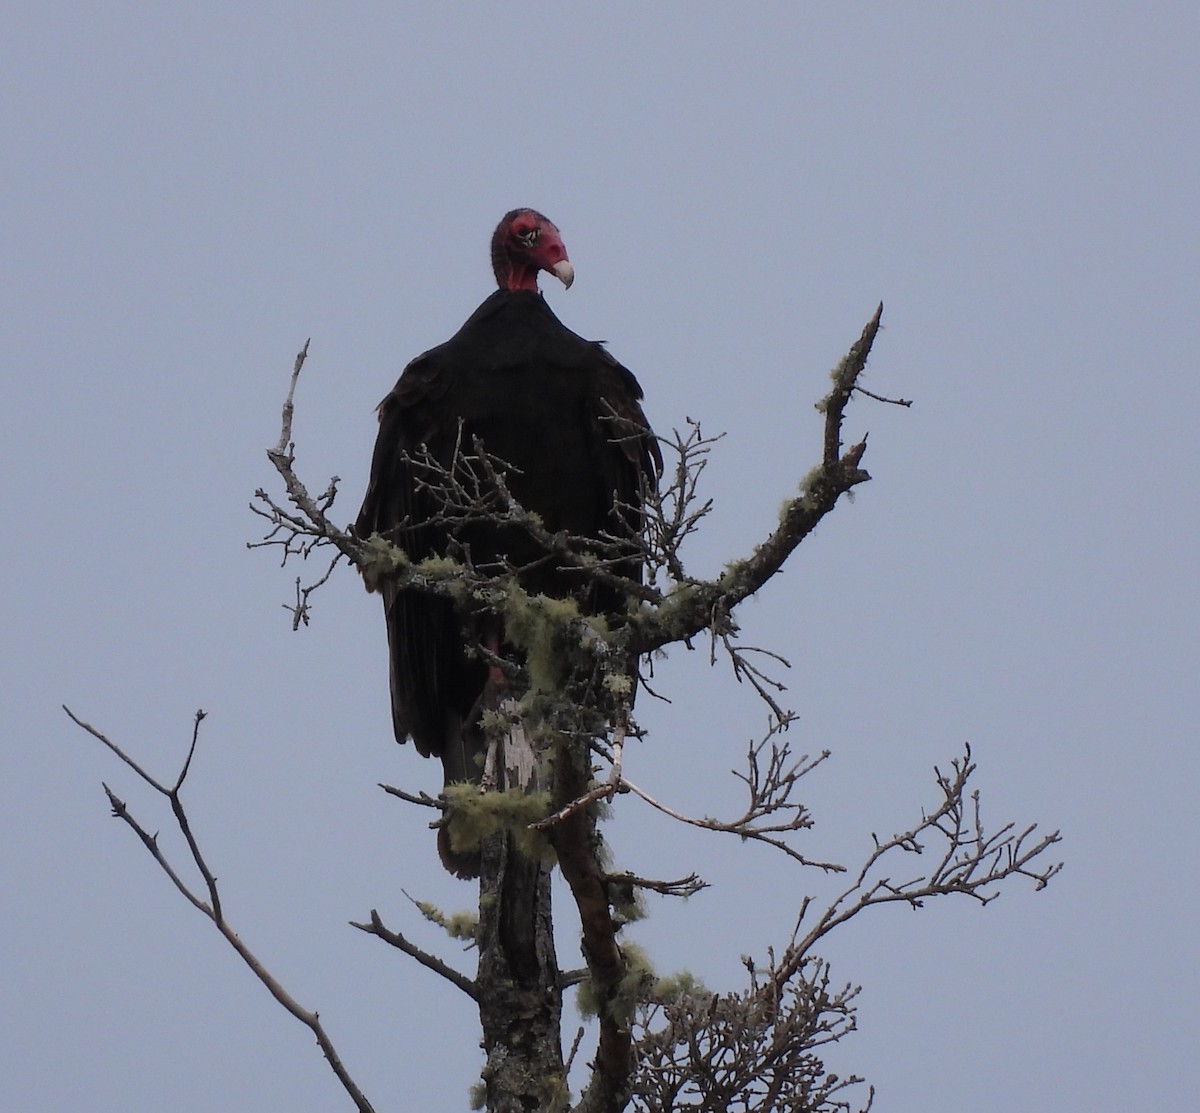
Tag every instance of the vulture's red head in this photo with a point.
(525, 243)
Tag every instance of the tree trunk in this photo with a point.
(520, 1001)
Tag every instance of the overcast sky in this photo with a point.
(190, 191)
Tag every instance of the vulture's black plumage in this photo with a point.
(566, 417)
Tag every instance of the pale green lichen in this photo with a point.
(458, 925)
(807, 484)
(473, 815)
(438, 567)
(626, 900)
(381, 558)
(495, 722)
(681, 984)
(586, 1000)
(629, 992)
(537, 624)
(618, 684)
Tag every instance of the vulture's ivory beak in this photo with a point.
(564, 272)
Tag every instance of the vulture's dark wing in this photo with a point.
(432, 681)
(567, 418)
(631, 460)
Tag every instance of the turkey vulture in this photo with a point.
(564, 420)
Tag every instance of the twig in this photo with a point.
(431, 962)
(574, 1044)
(285, 445)
(681, 887)
(769, 785)
(613, 785)
(421, 798)
(906, 402)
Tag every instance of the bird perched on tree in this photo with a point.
(562, 421)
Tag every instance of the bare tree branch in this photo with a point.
(376, 927)
(423, 799)
(972, 862)
(706, 605)
(674, 512)
(905, 402)
(212, 907)
(680, 887)
(771, 777)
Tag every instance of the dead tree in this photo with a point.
(662, 1043)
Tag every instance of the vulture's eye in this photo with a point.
(527, 235)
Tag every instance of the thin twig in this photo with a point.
(680, 887)
(574, 1043)
(906, 402)
(601, 792)
(421, 798)
(431, 962)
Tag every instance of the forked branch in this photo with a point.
(969, 861)
(211, 907)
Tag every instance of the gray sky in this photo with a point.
(188, 194)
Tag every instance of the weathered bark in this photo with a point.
(520, 1002)
(577, 842)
